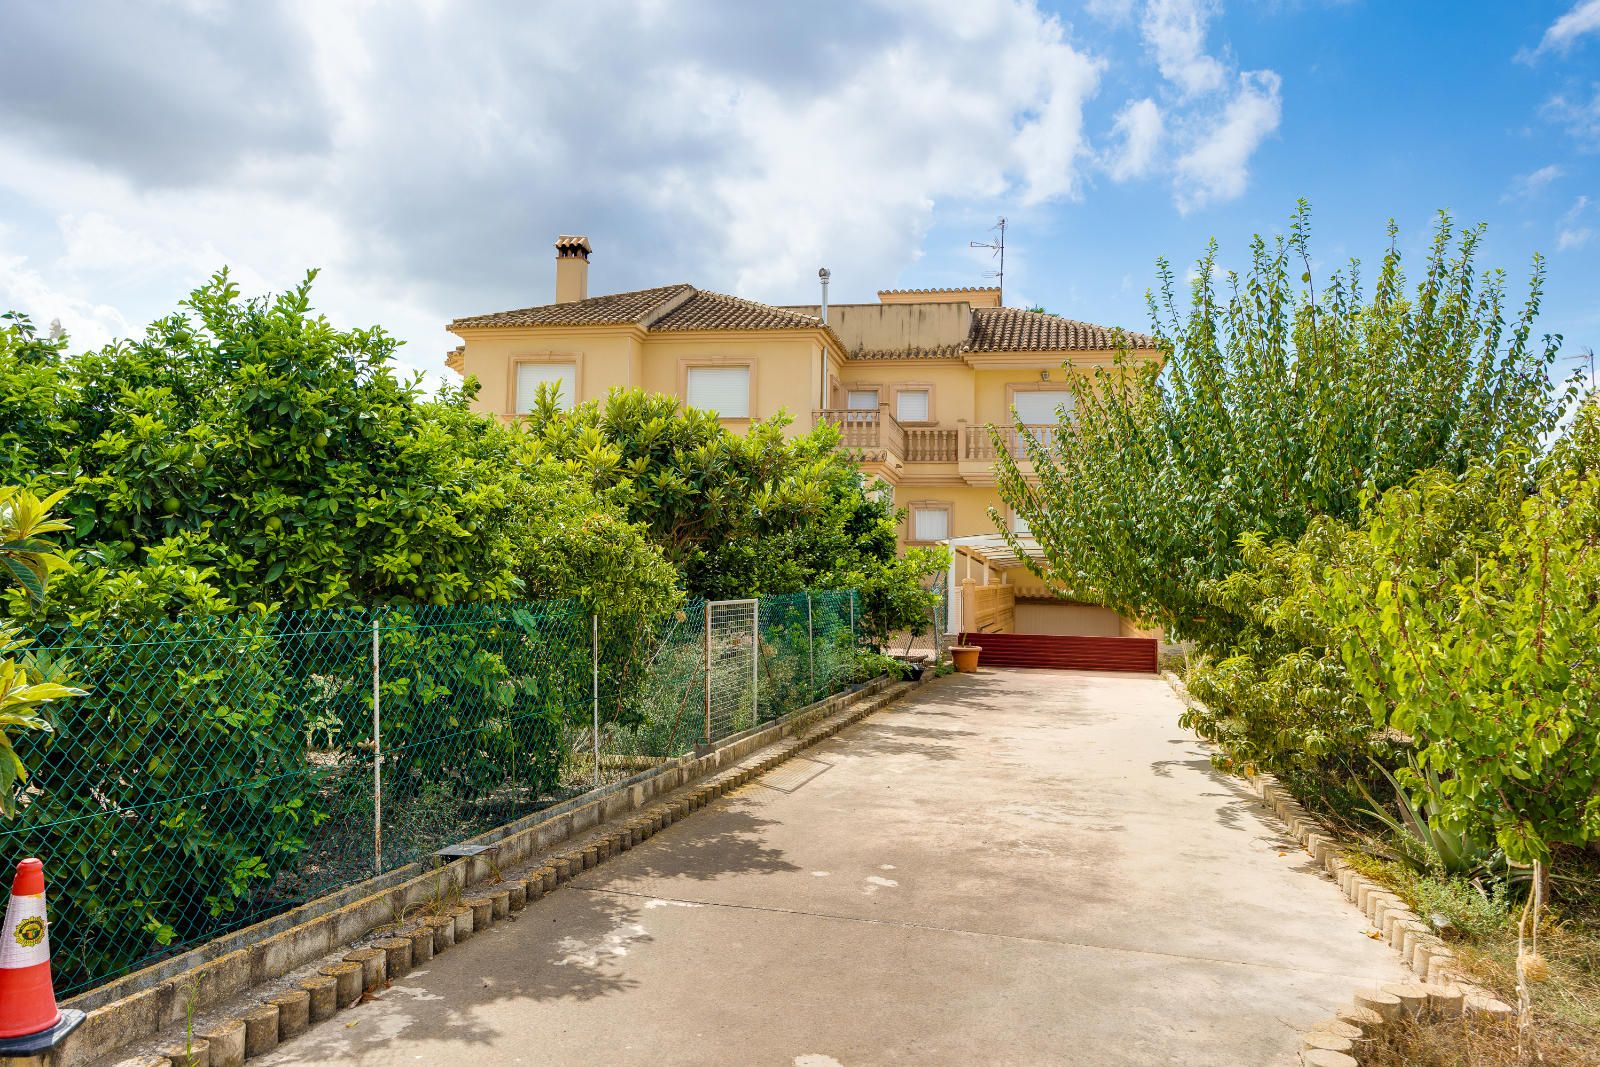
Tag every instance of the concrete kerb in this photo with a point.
(1441, 992)
(140, 1006)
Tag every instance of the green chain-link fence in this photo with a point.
(222, 770)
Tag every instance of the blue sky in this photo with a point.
(425, 154)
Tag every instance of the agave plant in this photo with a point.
(1424, 840)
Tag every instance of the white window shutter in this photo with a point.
(1037, 407)
(724, 390)
(911, 405)
(930, 524)
(861, 400)
(562, 376)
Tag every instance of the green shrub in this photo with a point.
(171, 795)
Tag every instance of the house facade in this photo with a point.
(912, 382)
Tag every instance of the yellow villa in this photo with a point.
(912, 381)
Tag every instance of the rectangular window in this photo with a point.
(861, 400)
(1019, 525)
(1037, 407)
(930, 524)
(562, 377)
(724, 390)
(912, 405)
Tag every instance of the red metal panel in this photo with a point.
(1065, 653)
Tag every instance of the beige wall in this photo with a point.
(885, 326)
(968, 505)
(950, 381)
(606, 358)
(786, 370)
(1067, 620)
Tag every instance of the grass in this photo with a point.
(1473, 1043)
(1566, 1006)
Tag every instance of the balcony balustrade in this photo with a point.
(980, 446)
(875, 434)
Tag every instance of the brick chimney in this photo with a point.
(572, 268)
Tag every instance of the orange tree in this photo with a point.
(242, 459)
(742, 515)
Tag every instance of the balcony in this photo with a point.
(980, 445)
(876, 436)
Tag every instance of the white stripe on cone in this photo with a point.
(26, 940)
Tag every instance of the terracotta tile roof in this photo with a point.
(716, 311)
(1016, 330)
(956, 289)
(666, 309)
(928, 352)
(614, 310)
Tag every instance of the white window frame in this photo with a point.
(914, 534)
(927, 403)
(566, 371)
(851, 393)
(1069, 404)
(694, 370)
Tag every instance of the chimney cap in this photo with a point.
(569, 244)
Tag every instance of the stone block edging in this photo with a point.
(1440, 990)
(624, 814)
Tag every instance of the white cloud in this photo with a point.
(89, 324)
(1571, 233)
(1525, 186)
(425, 155)
(1581, 117)
(1216, 168)
(1175, 33)
(1115, 12)
(1139, 128)
(1583, 19)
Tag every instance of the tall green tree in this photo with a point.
(254, 440)
(741, 515)
(1487, 654)
(1277, 401)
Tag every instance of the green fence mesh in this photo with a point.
(222, 770)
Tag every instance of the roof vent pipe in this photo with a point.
(824, 275)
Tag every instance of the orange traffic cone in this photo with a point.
(30, 1022)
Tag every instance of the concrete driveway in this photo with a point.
(1018, 867)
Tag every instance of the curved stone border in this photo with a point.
(1440, 991)
(364, 972)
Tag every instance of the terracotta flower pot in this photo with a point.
(965, 657)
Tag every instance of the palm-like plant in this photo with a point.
(1424, 840)
(28, 557)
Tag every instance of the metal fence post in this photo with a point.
(855, 642)
(377, 753)
(755, 662)
(708, 672)
(594, 648)
(811, 645)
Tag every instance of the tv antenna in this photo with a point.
(997, 249)
(1586, 356)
